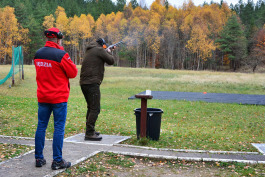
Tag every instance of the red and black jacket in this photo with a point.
(53, 70)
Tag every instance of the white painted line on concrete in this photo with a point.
(231, 160)
(29, 152)
(84, 158)
(125, 138)
(74, 163)
(187, 158)
(75, 142)
(187, 150)
(19, 137)
(258, 146)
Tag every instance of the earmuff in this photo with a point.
(102, 42)
(59, 35)
(52, 34)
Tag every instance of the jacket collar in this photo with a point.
(53, 45)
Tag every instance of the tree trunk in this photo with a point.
(137, 57)
(153, 59)
(118, 59)
(198, 58)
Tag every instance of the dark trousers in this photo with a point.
(91, 93)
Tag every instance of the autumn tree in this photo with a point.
(48, 22)
(169, 39)
(85, 26)
(73, 33)
(134, 38)
(61, 19)
(9, 33)
(257, 56)
(101, 27)
(115, 30)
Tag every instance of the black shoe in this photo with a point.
(94, 137)
(60, 165)
(40, 162)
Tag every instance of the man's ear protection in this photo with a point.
(104, 46)
(52, 34)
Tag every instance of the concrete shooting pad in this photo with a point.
(260, 147)
(77, 150)
(207, 97)
(106, 139)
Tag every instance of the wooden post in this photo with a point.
(19, 62)
(13, 65)
(22, 59)
(143, 113)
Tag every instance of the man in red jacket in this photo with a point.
(53, 70)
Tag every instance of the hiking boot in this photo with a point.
(97, 133)
(60, 165)
(93, 137)
(40, 162)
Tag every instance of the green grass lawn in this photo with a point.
(8, 151)
(185, 124)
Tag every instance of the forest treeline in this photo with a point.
(210, 36)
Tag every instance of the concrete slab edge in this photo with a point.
(29, 152)
(186, 158)
(125, 138)
(258, 147)
(187, 150)
(66, 139)
(73, 163)
(19, 137)
(144, 147)
(74, 142)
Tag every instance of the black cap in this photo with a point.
(101, 41)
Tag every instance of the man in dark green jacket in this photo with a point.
(91, 76)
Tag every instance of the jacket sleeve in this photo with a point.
(68, 66)
(106, 56)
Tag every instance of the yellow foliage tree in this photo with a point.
(73, 34)
(61, 19)
(100, 27)
(200, 44)
(152, 36)
(91, 21)
(48, 22)
(8, 32)
(85, 32)
(143, 15)
(135, 35)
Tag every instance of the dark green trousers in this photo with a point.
(91, 93)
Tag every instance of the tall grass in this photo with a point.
(185, 124)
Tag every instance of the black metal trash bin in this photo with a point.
(153, 122)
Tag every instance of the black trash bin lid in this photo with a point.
(150, 110)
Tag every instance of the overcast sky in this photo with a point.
(179, 3)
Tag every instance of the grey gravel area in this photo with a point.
(208, 97)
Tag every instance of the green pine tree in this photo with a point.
(233, 42)
(120, 5)
(134, 3)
